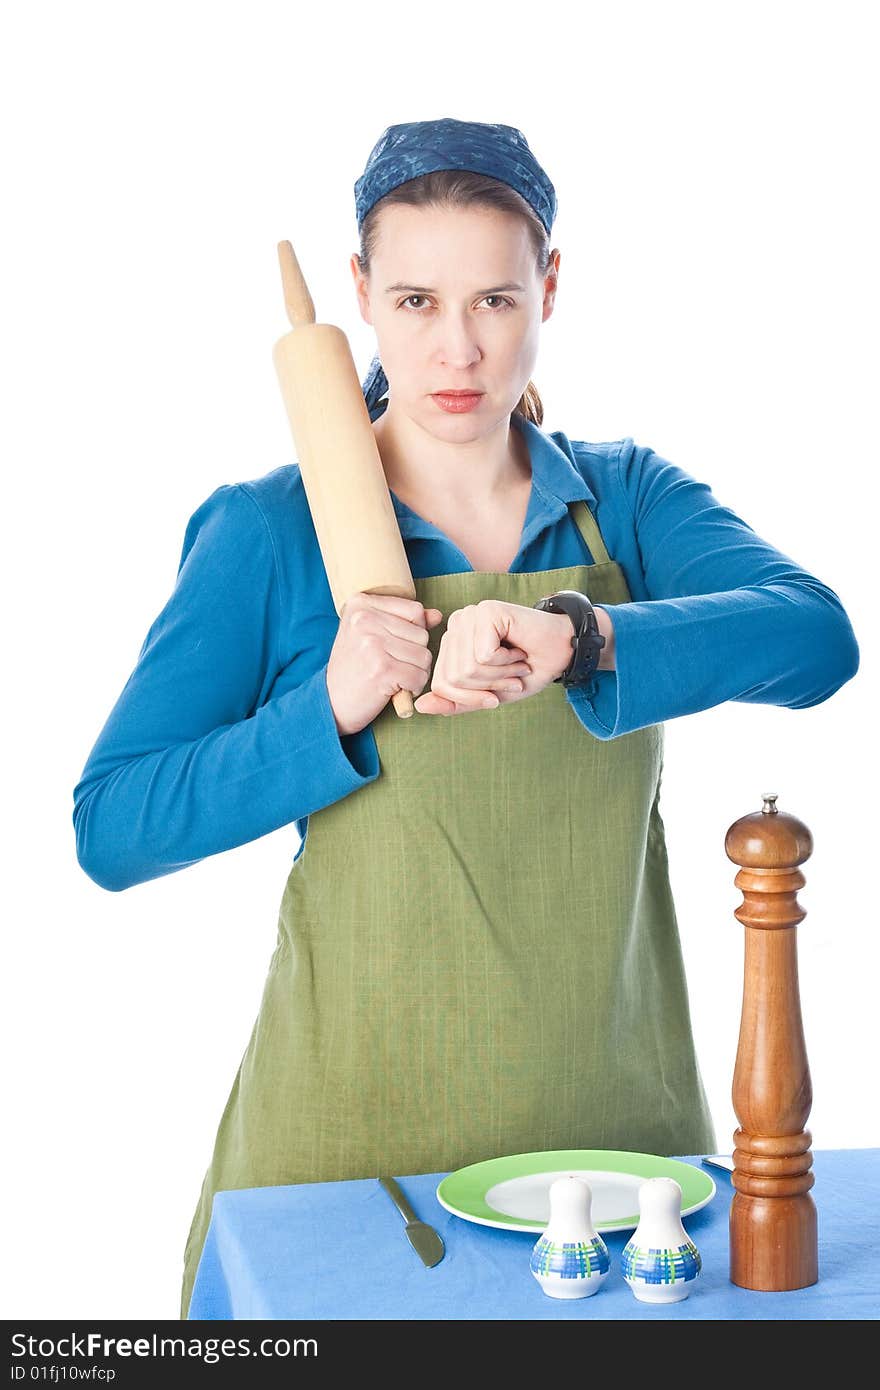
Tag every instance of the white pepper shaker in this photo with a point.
(660, 1261)
(570, 1260)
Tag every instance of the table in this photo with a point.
(338, 1250)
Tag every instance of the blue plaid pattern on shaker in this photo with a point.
(666, 1266)
(578, 1259)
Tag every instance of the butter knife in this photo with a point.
(724, 1161)
(426, 1242)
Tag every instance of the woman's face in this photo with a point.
(456, 302)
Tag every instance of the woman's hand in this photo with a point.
(492, 646)
(381, 647)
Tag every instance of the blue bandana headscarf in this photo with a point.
(404, 152)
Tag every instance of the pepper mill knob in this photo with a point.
(773, 1225)
(769, 839)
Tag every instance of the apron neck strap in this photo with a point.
(589, 529)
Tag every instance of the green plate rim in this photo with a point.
(463, 1192)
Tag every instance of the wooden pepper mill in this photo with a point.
(773, 1226)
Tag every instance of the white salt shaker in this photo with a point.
(660, 1261)
(570, 1260)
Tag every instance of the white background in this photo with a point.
(717, 301)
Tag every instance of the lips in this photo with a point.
(457, 402)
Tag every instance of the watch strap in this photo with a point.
(587, 641)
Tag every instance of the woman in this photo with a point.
(477, 949)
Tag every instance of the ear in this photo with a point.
(360, 285)
(551, 284)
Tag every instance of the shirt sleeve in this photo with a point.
(728, 616)
(195, 758)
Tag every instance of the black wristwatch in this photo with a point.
(587, 640)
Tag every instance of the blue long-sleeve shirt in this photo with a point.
(224, 730)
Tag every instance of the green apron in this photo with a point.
(477, 952)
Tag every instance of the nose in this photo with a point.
(457, 342)
(458, 347)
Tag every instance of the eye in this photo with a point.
(502, 303)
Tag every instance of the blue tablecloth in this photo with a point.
(338, 1250)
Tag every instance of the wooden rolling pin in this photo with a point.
(339, 460)
(773, 1224)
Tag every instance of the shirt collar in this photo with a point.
(556, 482)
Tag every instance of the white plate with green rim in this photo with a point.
(514, 1192)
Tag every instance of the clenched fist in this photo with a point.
(507, 648)
(381, 647)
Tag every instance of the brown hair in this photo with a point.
(461, 188)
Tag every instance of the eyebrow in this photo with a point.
(424, 289)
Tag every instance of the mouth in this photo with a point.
(457, 402)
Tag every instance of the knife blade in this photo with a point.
(724, 1161)
(426, 1242)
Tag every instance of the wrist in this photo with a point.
(606, 628)
(563, 635)
(565, 632)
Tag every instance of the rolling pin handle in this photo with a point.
(297, 299)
